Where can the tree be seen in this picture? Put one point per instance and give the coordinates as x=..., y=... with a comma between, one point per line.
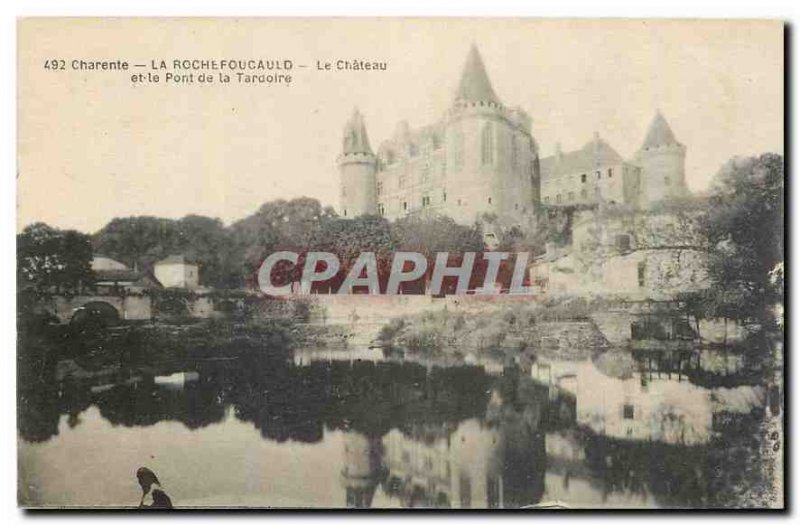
x=142, y=241
x=49, y=259
x=744, y=226
x=277, y=225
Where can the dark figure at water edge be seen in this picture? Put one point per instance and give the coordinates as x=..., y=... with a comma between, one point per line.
x=153, y=496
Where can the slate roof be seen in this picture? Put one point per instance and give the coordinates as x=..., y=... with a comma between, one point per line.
x=175, y=259
x=595, y=153
x=475, y=85
x=355, y=138
x=659, y=133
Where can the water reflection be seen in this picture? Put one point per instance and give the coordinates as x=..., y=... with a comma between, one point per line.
x=615, y=429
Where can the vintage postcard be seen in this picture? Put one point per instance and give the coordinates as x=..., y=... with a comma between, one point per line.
x=485, y=263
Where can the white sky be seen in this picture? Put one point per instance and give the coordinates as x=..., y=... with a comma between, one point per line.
x=92, y=146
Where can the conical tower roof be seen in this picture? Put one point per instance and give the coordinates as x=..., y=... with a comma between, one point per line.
x=355, y=135
x=659, y=133
x=475, y=85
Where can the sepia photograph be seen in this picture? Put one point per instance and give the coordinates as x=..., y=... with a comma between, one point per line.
x=400, y=263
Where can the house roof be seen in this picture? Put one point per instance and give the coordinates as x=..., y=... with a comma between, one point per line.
x=176, y=259
x=117, y=275
x=475, y=85
x=594, y=153
x=659, y=133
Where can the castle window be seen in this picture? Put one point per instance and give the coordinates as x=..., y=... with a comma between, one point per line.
x=583, y=178
x=547, y=200
x=640, y=270
x=558, y=198
x=405, y=205
x=610, y=172
x=459, y=202
x=490, y=200
x=623, y=242
x=465, y=491
x=401, y=181
x=598, y=174
x=514, y=155
x=426, y=200
x=666, y=181
x=380, y=209
x=487, y=148
x=458, y=149
x=425, y=173
x=584, y=194
x=345, y=212
x=627, y=411
x=444, y=196
x=380, y=188
x=516, y=205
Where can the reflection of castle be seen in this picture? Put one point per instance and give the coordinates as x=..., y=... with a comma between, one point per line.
x=439, y=467
x=618, y=400
x=468, y=465
x=362, y=468
x=455, y=469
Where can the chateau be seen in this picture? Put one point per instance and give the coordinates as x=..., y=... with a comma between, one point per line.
x=480, y=160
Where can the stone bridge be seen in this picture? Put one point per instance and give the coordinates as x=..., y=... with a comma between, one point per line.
x=127, y=307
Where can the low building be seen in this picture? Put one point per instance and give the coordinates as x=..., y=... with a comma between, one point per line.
x=176, y=271
x=112, y=275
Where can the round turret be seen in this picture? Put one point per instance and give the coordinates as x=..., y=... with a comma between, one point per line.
x=357, y=167
x=663, y=162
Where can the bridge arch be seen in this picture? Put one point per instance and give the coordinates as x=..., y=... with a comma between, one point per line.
x=96, y=311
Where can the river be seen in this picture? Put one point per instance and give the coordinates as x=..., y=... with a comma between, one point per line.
x=334, y=429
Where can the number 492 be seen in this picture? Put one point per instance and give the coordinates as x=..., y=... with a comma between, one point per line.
x=55, y=64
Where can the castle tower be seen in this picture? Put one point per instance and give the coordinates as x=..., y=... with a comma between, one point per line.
x=357, y=166
x=361, y=471
x=663, y=162
x=490, y=152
